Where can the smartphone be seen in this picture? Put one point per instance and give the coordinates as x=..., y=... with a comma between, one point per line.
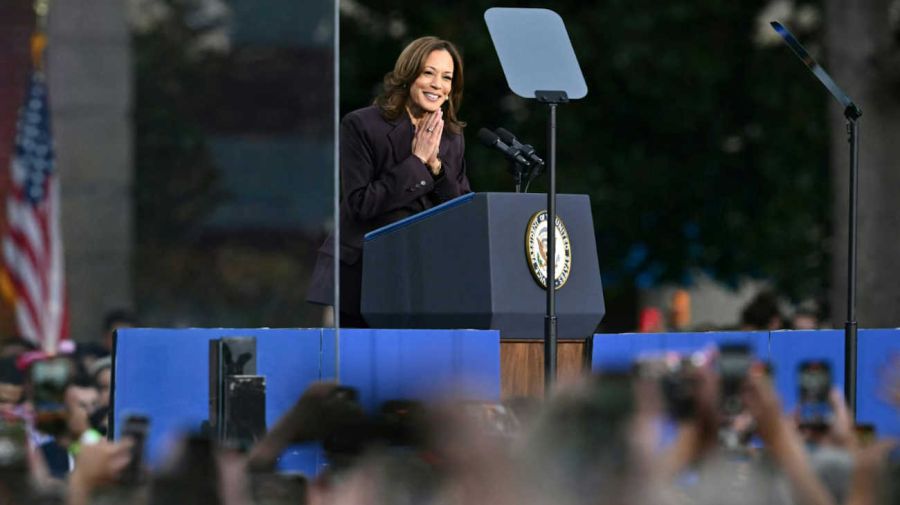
x=814, y=383
x=733, y=363
x=49, y=378
x=135, y=427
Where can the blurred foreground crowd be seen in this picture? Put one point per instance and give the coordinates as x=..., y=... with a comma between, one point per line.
x=704, y=428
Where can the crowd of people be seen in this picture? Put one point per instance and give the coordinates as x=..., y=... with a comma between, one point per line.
x=693, y=430
x=56, y=403
x=764, y=312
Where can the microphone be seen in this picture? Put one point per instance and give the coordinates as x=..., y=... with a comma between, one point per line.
x=526, y=150
x=491, y=139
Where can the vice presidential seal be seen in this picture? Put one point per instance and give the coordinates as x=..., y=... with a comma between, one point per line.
x=536, y=250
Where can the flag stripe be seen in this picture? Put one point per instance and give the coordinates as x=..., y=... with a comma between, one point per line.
x=23, y=271
x=56, y=296
x=23, y=279
x=23, y=222
x=26, y=323
x=22, y=251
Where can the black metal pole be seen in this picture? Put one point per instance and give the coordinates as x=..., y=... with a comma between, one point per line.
x=850, y=327
x=852, y=113
x=550, y=318
x=518, y=174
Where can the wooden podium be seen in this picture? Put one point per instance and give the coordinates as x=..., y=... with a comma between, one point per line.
x=522, y=365
x=463, y=264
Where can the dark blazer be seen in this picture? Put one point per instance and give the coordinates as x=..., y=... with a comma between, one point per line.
x=381, y=182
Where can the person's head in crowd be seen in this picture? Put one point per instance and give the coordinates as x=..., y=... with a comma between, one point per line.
x=61, y=412
x=580, y=448
x=387, y=478
x=762, y=313
x=13, y=347
x=114, y=320
x=12, y=381
x=86, y=354
x=806, y=317
x=80, y=398
x=101, y=373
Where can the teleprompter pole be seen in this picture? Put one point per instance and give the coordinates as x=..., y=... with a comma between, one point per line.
x=550, y=319
x=552, y=99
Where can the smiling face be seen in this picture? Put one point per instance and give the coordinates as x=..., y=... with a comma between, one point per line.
x=432, y=88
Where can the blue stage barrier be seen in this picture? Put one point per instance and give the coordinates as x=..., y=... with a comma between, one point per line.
x=878, y=360
x=416, y=364
x=164, y=373
x=878, y=351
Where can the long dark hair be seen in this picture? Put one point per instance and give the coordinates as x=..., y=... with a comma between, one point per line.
x=392, y=100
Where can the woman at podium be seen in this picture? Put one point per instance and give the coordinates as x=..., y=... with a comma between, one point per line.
x=399, y=156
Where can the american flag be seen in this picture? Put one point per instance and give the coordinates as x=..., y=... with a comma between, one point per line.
x=32, y=246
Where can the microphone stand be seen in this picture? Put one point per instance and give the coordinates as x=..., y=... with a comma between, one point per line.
x=518, y=172
x=552, y=99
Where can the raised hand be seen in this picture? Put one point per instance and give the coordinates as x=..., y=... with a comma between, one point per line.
x=427, y=140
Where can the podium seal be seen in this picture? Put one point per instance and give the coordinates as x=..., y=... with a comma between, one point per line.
x=536, y=250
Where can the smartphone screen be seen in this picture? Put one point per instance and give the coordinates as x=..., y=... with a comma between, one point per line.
x=49, y=378
x=814, y=383
x=733, y=364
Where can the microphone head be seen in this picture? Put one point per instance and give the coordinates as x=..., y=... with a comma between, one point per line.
x=487, y=137
x=506, y=135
